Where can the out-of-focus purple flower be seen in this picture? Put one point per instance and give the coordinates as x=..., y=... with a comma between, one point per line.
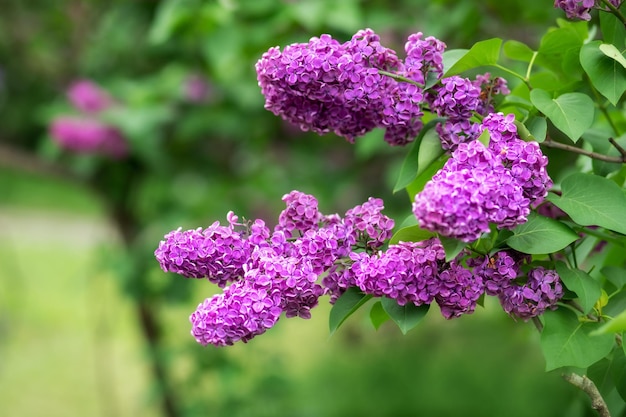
x=542, y=290
x=244, y=310
x=459, y=290
x=217, y=253
x=325, y=86
x=89, y=136
x=196, y=89
x=406, y=272
x=88, y=97
x=471, y=190
x=368, y=224
x=579, y=9
x=301, y=213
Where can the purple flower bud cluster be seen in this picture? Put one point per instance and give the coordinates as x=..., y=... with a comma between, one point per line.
x=480, y=185
x=266, y=273
x=580, y=9
x=87, y=133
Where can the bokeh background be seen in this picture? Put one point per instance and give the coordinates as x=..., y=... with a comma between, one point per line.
x=89, y=324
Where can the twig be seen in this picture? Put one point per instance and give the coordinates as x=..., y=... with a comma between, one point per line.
x=589, y=388
x=619, y=148
x=594, y=155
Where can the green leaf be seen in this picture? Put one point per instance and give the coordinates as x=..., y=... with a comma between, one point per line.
x=612, y=52
x=484, y=138
x=481, y=54
x=378, y=315
x=587, y=289
x=414, y=158
x=426, y=175
x=452, y=247
x=557, y=44
x=606, y=73
x=540, y=235
x=591, y=200
x=348, y=303
x=538, y=128
x=619, y=372
x=615, y=275
x=566, y=341
x=410, y=234
x=407, y=316
x=616, y=325
x=518, y=51
x=571, y=113
x=613, y=30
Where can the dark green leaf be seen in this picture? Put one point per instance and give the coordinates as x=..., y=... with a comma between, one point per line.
x=566, y=341
x=410, y=234
x=591, y=200
x=606, y=73
x=452, y=247
x=613, y=30
x=541, y=235
x=426, y=175
x=407, y=316
x=348, y=303
x=378, y=315
x=619, y=372
x=482, y=54
x=587, y=289
x=413, y=161
x=571, y=113
x=615, y=275
x=538, y=127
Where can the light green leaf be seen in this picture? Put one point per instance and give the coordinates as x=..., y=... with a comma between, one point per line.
x=407, y=316
x=566, y=341
x=410, y=234
x=541, y=235
x=571, y=113
x=518, y=51
x=452, y=247
x=591, y=200
x=378, y=315
x=538, y=128
x=616, y=325
x=345, y=306
x=612, y=52
x=587, y=289
x=482, y=54
x=606, y=74
x=615, y=275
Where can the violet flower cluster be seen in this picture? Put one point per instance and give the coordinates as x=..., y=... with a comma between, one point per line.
x=580, y=9
x=264, y=272
x=482, y=185
x=86, y=133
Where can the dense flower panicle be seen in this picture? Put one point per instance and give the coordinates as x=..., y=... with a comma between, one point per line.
x=459, y=290
x=337, y=280
x=455, y=131
x=88, y=97
x=457, y=98
x=497, y=271
x=325, y=86
x=406, y=272
x=424, y=58
x=367, y=222
x=471, y=190
x=244, y=310
x=402, y=113
x=217, y=253
x=301, y=213
x=542, y=290
x=88, y=136
x=488, y=89
x=579, y=9
x=324, y=246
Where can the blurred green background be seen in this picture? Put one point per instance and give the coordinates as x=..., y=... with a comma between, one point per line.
x=89, y=324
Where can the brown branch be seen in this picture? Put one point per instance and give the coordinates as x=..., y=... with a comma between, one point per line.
x=594, y=155
x=619, y=148
x=589, y=388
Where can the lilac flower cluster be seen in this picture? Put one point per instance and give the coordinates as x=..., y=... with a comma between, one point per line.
x=480, y=185
x=265, y=273
x=521, y=296
x=580, y=9
x=87, y=133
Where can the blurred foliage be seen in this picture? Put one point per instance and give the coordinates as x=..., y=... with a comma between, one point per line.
x=193, y=160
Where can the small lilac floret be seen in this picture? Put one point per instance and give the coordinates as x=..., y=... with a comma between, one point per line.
x=459, y=290
x=88, y=97
x=542, y=290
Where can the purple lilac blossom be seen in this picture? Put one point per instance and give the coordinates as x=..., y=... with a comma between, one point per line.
x=217, y=253
x=88, y=136
x=424, y=58
x=196, y=89
x=88, y=97
x=338, y=279
x=402, y=113
x=497, y=271
x=406, y=272
x=579, y=9
x=325, y=86
x=488, y=89
x=471, y=190
x=456, y=98
x=542, y=290
x=301, y=213
x=324, y=246
x=368, y=224
x=244, y=310
x=455, y=131
x=459, y=290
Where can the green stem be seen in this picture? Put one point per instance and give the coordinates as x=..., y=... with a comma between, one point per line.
x=530, y=66
x=513, y=73
x=400, y=78
x=602, y=107
x=549, y=143
x=615, y=11
x=598, y=234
